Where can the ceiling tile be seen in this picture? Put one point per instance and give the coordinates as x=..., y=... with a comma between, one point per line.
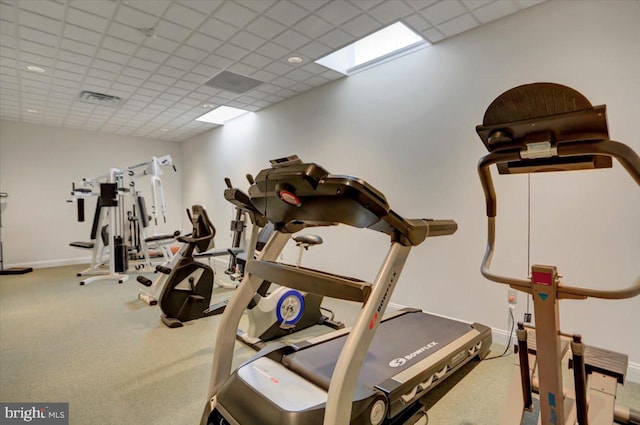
x=143, y=64
x=217, y=29
x=361, y=25
x=338, y=12
x=433, y=35
x=422, y=4
x=153, y=7
x=235, y=14
x=458, y=25
x=231, y=52
x=86, y=20
x=137, y=73
x=184, y=16
x=265, y=27
x=286, y=13
x=118, y=45
x=208, y=71
x=443, y=11
x=523, y=4
x=367, y=4
x=315, y=50
x=135, y=18
x=242, y=69
x=388, y=12
x=299, y=75
x=107, y=66
x=256, y=60
x=172, y=31
x=180, y=63
x=495, y=10
x=170, y=71
x=217, y=61
x=311, y=5
x=46, y=8
x=38, y=36
x=312, y=26
x=151, y=55
x=74, y=58
x=39, y=22
x=126, y=33
x=337, y=38
x=203, y=42
x=161, y=43
x=272, y=50
x=474, y=4
x=416, y=22
x=35, y=48
x=111, y=56
x=81, y=34
x=191, y=53
x=205, y=7
x=247, y=40
x=291, y=39
x=77, y=47
x=263, y=75
x=278, y=68
x=100, y=8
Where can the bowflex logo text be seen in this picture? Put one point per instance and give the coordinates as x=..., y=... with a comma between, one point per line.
x=400, y=361
x=39, y=413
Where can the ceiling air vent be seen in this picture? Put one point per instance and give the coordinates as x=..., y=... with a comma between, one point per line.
x=99, y=98
x=233, y=82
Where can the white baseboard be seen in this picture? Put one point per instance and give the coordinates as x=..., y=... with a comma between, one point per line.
x=52, y=263
x=633, y=372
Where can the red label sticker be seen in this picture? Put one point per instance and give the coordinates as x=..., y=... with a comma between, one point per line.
x=540, y=278
x=372, y=323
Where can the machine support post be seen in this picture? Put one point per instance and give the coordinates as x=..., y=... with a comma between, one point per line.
x=544, y=280
x=356, y=347
x=580, y=379
x=525, y=374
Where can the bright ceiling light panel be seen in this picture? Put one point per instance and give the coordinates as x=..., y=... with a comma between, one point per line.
x=389, y=42
x=221, y=115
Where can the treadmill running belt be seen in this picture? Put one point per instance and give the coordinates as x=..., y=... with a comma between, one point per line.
x=398, y=344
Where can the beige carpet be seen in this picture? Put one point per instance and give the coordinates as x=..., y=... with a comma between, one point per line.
x=108, y=355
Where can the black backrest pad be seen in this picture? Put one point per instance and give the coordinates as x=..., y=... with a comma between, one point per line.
x=202, y=228
x=321, y=199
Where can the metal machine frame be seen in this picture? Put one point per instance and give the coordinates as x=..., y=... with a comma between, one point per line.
x=550, y=127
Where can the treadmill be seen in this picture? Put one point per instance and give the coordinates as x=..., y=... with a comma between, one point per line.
x=374, y=373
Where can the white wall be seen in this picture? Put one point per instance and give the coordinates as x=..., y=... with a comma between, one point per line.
x=38, y=164
x=407, y=127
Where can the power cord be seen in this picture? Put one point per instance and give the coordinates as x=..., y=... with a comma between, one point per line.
x=506, y=350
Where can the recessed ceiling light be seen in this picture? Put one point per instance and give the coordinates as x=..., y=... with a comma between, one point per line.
x=295, y=60
x=164, y=129
x=221, y=115
x=388, y=43
x=33, y=111
x=34, y=68
x=208, y=105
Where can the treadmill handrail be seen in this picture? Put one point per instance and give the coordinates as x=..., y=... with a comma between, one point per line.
x=626, y=156
x=313, y=197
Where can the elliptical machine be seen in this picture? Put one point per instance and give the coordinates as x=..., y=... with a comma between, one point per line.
x=187, y=292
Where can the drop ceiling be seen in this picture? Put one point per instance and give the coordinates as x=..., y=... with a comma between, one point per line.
x=158, y=55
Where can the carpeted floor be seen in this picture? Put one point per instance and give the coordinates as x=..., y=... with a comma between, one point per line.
x=108, y=355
